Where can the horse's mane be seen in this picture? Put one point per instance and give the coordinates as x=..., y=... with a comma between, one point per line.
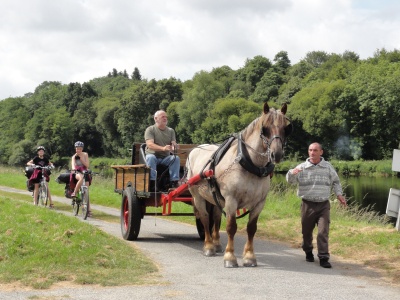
x=273, y=117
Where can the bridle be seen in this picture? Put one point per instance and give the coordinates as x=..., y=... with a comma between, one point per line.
x=268, y=142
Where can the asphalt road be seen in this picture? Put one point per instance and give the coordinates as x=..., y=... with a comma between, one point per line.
x=282, y=272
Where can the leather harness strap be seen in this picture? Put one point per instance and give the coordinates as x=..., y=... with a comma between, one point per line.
x=244, y=161
x=248, y=165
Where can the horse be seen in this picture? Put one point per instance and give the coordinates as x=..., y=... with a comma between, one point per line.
x=243, y=167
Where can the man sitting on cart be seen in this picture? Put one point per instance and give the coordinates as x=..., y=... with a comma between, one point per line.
x=160, y=145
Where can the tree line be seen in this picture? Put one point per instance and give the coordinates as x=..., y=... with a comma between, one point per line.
x=349, y=105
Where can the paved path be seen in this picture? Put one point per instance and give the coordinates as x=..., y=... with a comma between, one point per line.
x=282, y=272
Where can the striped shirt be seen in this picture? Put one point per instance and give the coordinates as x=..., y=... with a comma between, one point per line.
x=315, y=181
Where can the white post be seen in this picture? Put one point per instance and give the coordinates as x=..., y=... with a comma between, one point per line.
x=393, y=204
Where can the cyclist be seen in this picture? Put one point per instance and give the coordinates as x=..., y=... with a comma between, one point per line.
x=79, y=162
x=40, y=160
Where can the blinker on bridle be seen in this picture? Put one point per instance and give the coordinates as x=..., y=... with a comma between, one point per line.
x=283, y=141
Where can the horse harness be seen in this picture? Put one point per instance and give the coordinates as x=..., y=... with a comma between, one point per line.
x=244, y=160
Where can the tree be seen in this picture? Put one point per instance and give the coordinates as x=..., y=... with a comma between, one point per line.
x=57, y=132
x=268, y=87
x=316, y=58
x=376, y=89
x=225, y=75
x=282, y=62
x=73, y=97
x=315, y=108
x=227, y=116
x=197, y=102
x=350, y=55
x=254, y=70
x=84, y=127
x=106, y=123
x=14, y=115
x=136, y=74
x=22, y=153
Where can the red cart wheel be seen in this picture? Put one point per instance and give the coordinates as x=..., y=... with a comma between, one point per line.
x=131, y=215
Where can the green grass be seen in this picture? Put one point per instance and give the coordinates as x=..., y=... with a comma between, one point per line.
x=359, y=235
x=41, y=247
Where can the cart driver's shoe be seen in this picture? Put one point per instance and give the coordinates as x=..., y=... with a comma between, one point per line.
x=174, y=184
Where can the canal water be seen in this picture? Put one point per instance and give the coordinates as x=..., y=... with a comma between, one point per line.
x=364, y=190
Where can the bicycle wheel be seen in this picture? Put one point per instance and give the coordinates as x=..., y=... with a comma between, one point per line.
x=85, y=202
x=43, y=195
x=75, y=205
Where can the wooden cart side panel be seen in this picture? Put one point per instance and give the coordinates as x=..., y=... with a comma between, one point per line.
x=138, y=175
x=183, y=152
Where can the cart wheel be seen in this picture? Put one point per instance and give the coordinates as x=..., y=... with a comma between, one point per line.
x=131, y=215
x=200, y=227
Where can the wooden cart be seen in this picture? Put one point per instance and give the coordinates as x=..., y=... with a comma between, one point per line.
x=132, y=182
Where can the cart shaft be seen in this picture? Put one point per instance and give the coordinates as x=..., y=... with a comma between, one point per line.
x=167, y=199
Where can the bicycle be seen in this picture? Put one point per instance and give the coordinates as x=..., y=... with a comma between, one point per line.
x=43, y=192
x=81, y=200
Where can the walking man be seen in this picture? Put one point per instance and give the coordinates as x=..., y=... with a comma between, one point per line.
x=316, y=178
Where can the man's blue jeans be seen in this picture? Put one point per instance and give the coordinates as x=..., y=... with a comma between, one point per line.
x=172, y=161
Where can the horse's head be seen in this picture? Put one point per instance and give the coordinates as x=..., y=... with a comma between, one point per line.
x=275, y=128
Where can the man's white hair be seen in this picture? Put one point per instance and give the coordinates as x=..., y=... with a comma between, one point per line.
x=158, y=112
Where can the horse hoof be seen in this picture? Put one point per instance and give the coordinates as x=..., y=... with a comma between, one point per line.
x=209, y=252
x=250, y=263
x=218, y=249
x=231, y=264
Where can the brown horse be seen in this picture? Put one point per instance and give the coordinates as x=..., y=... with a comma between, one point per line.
x=242, y=171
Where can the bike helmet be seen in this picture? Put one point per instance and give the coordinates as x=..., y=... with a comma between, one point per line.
x=79, y=144
x=40, y=148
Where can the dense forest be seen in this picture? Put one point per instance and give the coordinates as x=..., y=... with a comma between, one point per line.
x=351, y=106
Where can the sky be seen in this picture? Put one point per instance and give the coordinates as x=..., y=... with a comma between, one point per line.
x=79, y=40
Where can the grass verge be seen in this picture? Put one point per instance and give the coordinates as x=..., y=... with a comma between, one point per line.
x=41, y=247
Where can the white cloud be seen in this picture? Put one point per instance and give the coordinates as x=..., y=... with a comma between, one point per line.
x=78, y=40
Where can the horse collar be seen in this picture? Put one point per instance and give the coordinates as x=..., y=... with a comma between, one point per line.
x=247, y=164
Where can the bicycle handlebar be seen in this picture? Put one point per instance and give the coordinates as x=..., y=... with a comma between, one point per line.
x=40, y=167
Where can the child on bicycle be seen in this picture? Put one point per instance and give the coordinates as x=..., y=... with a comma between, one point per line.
x=79, y=162
x=40, y=160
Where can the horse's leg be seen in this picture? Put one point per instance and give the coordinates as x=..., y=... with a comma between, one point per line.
x=208, y=248
x=230, y=260
x=249, y=258
x=216, y=213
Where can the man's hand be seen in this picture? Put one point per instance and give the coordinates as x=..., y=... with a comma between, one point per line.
x=296, y=171
x=167, y=148
x=342, y=200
